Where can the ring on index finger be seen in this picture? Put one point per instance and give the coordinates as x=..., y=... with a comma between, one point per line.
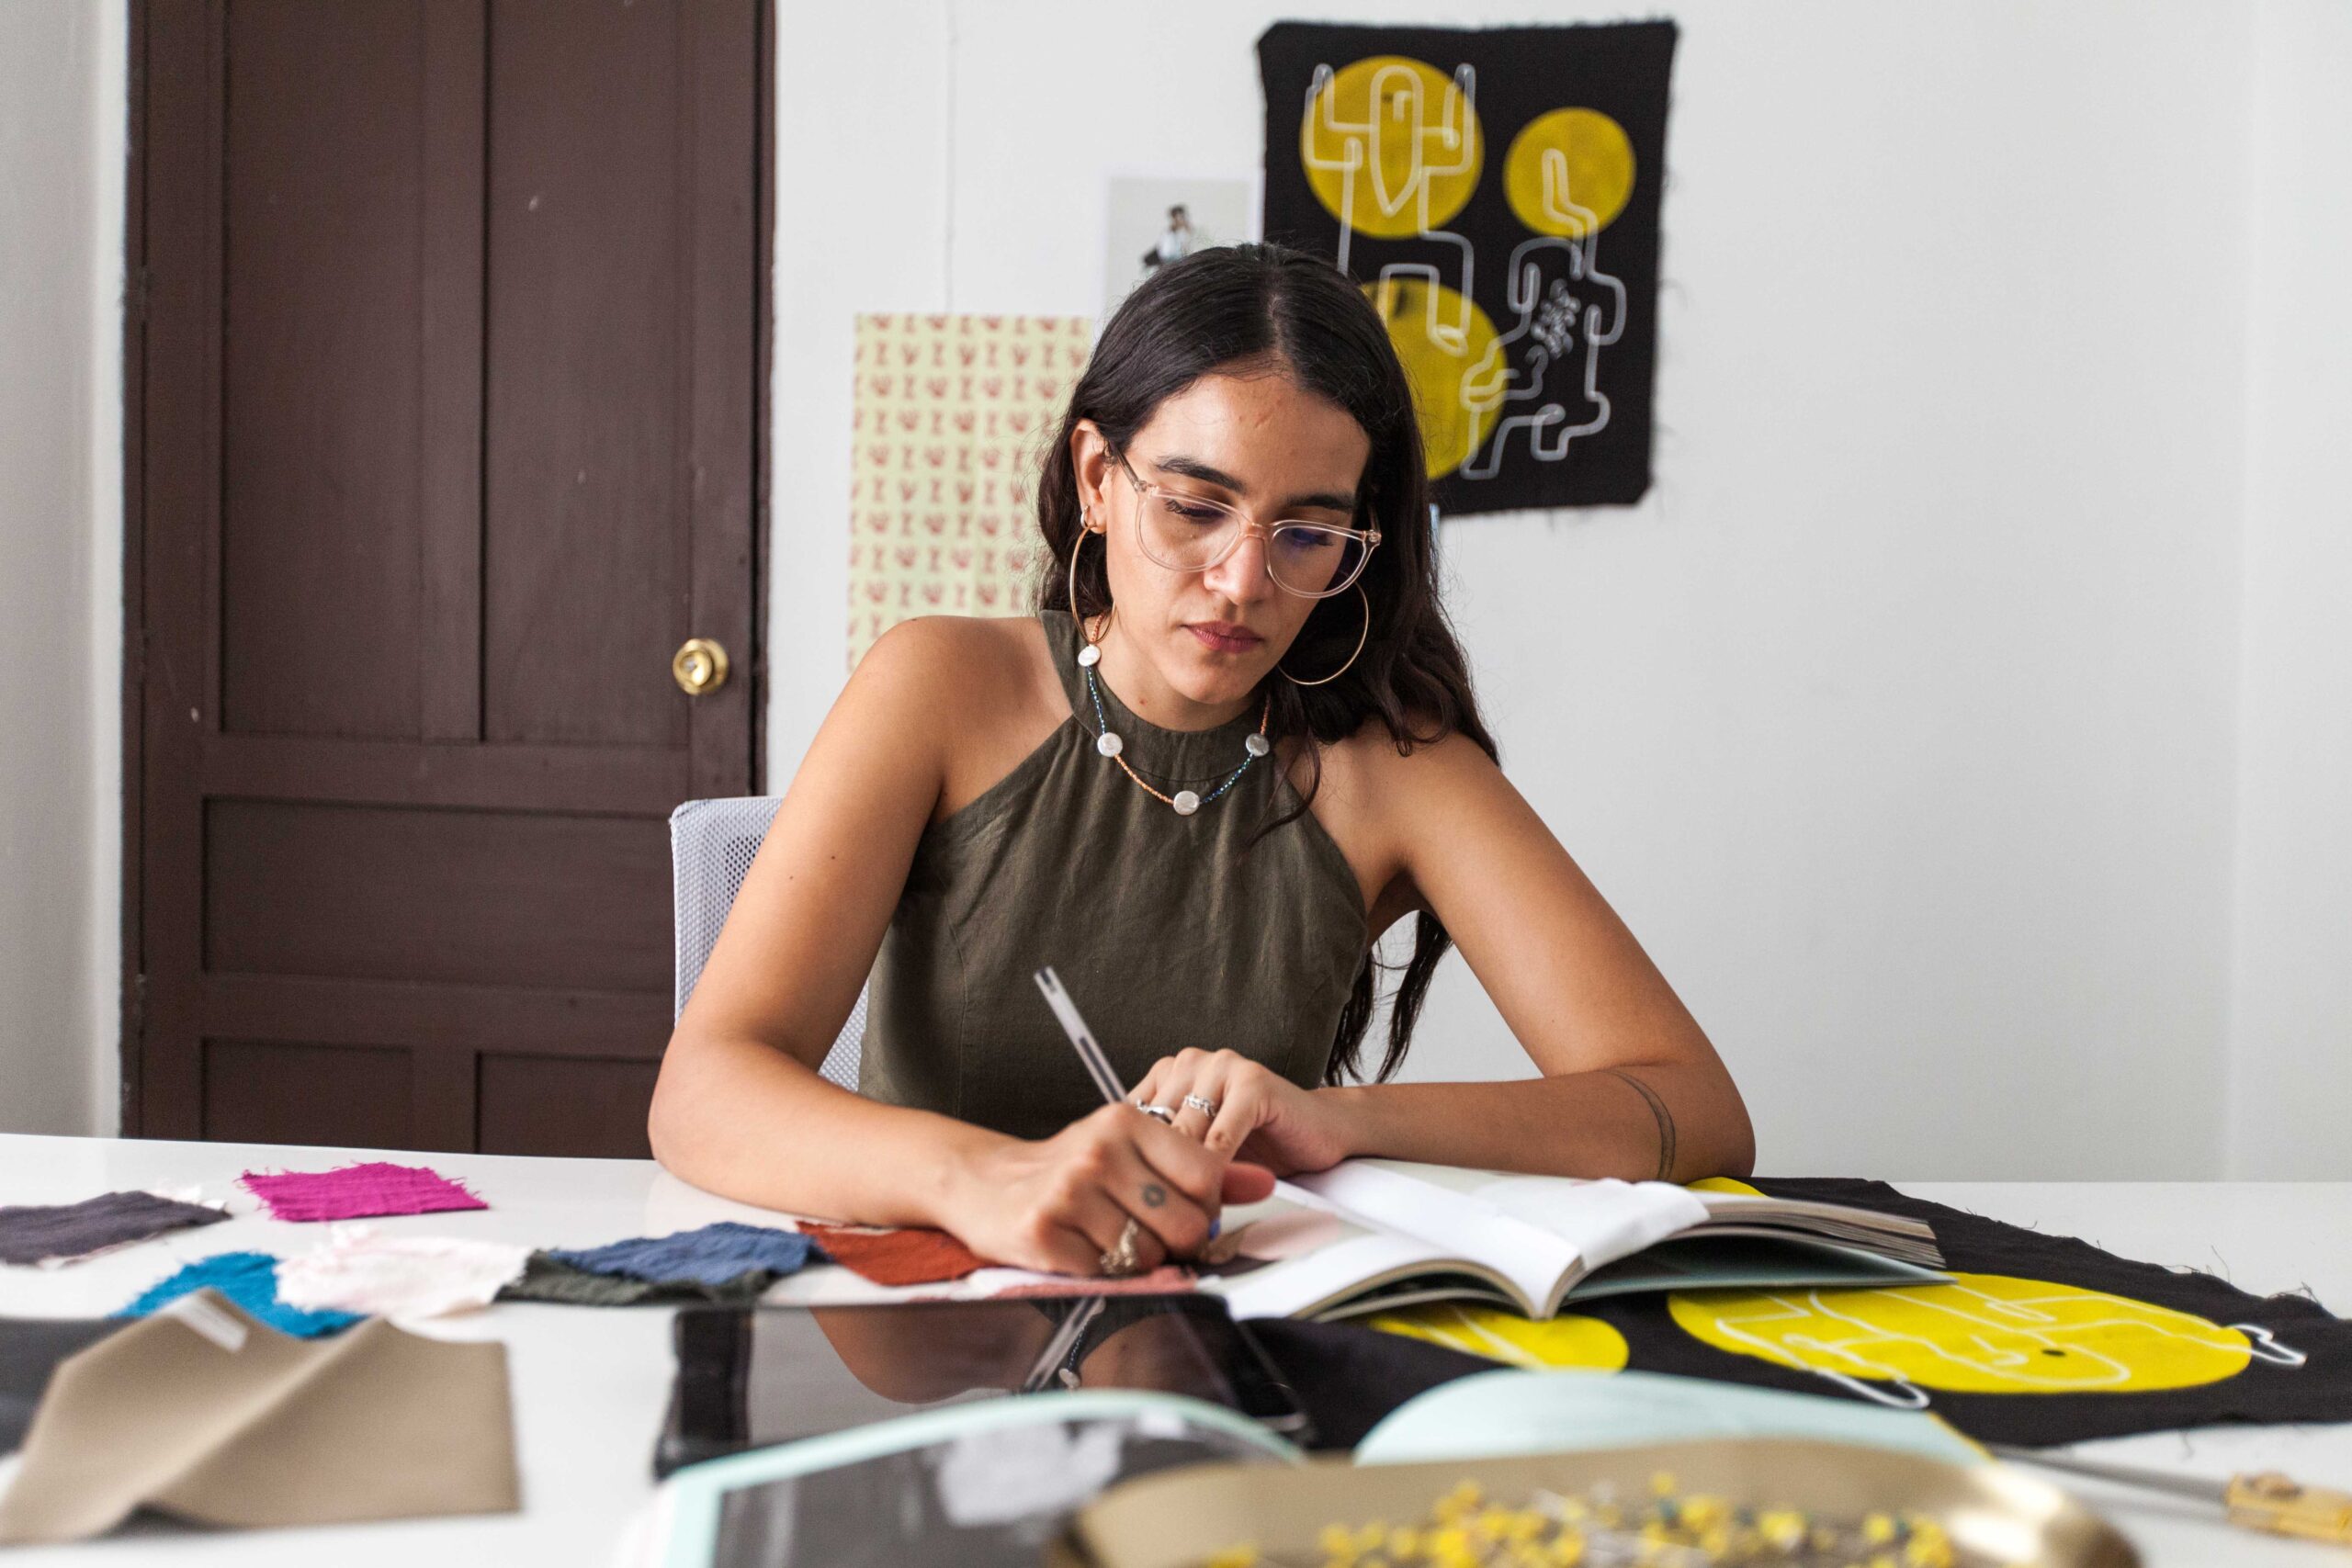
x=1159, y=1113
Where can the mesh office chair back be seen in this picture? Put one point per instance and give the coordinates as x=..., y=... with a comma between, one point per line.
x=711, y=846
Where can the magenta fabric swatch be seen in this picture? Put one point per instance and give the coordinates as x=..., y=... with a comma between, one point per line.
x=358, y=1192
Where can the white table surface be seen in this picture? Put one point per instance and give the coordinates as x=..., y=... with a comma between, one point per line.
x=590, y=1383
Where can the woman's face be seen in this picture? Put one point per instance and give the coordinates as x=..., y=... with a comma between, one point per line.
x=1194, y=645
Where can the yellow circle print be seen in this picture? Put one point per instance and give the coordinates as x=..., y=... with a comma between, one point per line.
x=1391, y=146
x=1980, y=1334
x=1723, y=1184
x=1499, y=1336
x=1441, y=338
x=1569, y=173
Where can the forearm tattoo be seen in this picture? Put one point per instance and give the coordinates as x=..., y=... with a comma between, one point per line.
x=1664, y=1121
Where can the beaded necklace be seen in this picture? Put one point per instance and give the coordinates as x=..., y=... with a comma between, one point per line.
x=1185, y=801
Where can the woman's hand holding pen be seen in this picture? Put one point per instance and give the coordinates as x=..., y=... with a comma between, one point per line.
x=1061, y=1203
x=1260, y=1116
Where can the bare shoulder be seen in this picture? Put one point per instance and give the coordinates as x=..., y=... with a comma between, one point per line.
x=948, y=666
x=982, y=690
x=1376, y=799
x=1371, y=768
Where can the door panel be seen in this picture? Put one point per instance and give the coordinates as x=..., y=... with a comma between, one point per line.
x=384, y=892
x=319, y=464
x=584, y=586
x=448, y=438
x=549, y=1105
x=255, y=1091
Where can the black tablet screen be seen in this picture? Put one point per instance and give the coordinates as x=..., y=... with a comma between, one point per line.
x=751, y=1378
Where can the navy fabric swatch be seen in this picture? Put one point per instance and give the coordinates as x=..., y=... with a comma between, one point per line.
x=712, y=1256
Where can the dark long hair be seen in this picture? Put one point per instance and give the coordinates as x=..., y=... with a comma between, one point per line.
x=1268, y=307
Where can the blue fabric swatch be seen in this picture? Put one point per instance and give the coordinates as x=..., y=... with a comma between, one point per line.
x=248, y=1278
x=711, y=1255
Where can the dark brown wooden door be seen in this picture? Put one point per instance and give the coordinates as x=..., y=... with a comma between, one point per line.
x=447, y=439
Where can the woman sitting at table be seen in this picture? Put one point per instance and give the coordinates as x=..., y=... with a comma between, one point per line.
x=1237, y=743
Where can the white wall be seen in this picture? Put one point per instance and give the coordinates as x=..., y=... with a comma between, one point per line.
x=1900, y=719
x=1959, y=720
x=2291, y=1022
x=62, y=140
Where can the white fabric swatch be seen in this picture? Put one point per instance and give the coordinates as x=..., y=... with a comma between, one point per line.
x=397, y=1276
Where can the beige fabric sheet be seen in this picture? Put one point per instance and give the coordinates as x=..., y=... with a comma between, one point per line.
x=203, y=1413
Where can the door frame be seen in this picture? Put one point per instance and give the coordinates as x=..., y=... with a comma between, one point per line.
x=752, y=666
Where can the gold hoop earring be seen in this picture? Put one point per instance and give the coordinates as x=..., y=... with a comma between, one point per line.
x=1360, y=639
x=1091, y=653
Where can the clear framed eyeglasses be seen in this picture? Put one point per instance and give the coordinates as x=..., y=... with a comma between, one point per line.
x=1184, y=531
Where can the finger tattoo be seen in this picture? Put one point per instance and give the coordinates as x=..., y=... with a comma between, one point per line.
x=1665, y=1120
x=1154, y=1194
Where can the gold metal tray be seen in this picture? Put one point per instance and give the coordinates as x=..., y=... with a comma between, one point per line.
x=1993, y=1513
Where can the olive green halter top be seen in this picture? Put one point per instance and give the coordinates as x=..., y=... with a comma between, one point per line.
x=1165, y=933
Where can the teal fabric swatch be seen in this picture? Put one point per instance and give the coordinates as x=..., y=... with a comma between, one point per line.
x=248, y=1278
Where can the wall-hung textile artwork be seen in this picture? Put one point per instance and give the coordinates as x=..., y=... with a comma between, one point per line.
x=1496, y=192
x=951, y=416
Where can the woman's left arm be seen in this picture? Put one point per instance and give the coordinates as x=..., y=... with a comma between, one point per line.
x=1631, y=1087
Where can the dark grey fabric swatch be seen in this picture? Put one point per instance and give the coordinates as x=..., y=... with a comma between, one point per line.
x=35, y=1235
x=30, y=1349
x=547, y=1280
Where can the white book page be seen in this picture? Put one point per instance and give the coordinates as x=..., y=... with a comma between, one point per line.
x=1536, y=1261
x=1297, y=1286
x=1604, y=1221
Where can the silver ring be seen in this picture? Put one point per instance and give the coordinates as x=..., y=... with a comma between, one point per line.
x=1158, y=1113
x=1204, y=1106
x=1122, y=1260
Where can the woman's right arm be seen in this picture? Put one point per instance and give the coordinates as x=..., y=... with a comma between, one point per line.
x=740, y=1109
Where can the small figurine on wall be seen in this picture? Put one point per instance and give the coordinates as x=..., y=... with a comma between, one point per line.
x=1174, y=245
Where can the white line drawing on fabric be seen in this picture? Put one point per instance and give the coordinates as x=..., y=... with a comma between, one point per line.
x=1545, y=317
x=2266, y=1347
x=1397, y=90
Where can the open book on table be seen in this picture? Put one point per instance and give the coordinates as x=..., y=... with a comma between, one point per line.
x=1367, y=1235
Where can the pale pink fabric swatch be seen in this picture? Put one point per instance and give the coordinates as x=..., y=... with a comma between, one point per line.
x=358, y=1192
x=398, y=1276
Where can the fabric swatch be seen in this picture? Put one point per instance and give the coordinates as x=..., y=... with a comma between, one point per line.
x=248, y=1278
x=30, y=1349
x=358, y=1192
x=385, y=1276
x=545, y=1279
x=2037, y=1340
x=910, y=1257
x=711, y=1255
x=207, y=1414
x=68, y=1232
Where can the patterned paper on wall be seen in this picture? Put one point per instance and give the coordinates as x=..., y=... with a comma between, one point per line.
x=952, y=417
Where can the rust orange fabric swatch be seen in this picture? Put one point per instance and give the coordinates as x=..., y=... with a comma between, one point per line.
x=910, y=1257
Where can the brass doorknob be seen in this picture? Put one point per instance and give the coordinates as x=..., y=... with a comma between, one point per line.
x=699, y=666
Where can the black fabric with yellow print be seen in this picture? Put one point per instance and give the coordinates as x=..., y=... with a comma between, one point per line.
x=1497, y=193
x=2039, y=1340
